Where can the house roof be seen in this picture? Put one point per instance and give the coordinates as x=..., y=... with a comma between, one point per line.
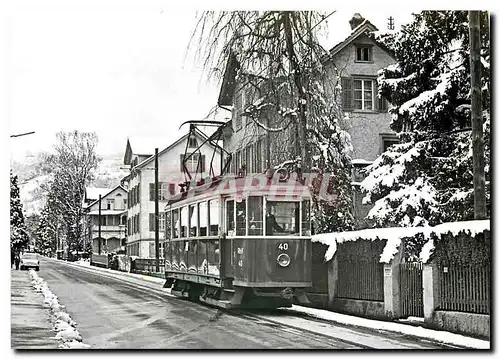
x=104, y=196
x=363, y=28
x=92, y=193
x=151, y=158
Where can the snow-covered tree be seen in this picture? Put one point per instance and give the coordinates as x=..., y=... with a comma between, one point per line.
x=46, y=230
x=289, y=94
x=18, y=234
x=71, y=165
x=427, y=178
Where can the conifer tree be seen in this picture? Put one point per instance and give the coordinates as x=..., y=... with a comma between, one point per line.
x=427, y=178
x=18, y=234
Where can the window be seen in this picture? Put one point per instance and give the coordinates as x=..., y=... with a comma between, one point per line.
x=111, y=204
x=175, y=223
x=387, y=140
x=194, y=164
x=161, y=221
x=363, y=53
x=213, y=217
x=255, y=210
x=230, y=218
x=193, y=143
x=103, y=220
x=241, y=218
x=203, y=219
x=184, y=222
x=163, y=191
x=282, y=218
x=168, y=225
x=363, y=94
x=171, y=189
x=193, y=220
x=306, y=218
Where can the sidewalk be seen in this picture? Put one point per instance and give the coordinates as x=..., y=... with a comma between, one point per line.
x=30, y=324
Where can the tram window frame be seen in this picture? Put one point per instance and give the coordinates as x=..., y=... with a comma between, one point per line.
x=213, y=232
x=241, y=205
x=181, y=224
x=251, y=209
x=201, y=233
x=168, y=225
x=305, y=209
x=230, y=217
x=175, y=218
x=193, y=210
x=286, y=232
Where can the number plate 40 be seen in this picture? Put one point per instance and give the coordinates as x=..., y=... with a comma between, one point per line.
x=283, y=246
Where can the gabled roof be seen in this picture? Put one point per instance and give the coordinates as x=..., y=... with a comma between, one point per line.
x=103, y=196
x=92, y=193
x=151, y=158
x=366, y=27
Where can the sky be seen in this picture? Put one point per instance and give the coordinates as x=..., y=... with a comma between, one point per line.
x=119, y=69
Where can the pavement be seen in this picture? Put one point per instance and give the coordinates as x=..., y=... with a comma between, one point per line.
x=30, y=320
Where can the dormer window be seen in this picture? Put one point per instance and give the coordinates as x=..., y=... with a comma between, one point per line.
x=363, y=53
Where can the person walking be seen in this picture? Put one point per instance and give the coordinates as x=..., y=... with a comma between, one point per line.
x=17, y=260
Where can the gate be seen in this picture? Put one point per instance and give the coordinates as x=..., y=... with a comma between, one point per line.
x=410, y=284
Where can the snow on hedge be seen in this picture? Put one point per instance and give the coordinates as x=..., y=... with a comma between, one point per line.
x=63, y=324
x=393, y=235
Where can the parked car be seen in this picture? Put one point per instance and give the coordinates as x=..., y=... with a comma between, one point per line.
x=30, y=260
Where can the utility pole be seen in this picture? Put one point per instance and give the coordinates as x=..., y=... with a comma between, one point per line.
x=157, y=230
x=476, y=115
x=99, y=223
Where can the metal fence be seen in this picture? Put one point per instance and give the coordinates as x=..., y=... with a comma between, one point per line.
x=148, y=265
x=360, y=279
x=465, y=288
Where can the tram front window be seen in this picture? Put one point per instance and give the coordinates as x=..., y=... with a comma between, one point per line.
x=282, y=218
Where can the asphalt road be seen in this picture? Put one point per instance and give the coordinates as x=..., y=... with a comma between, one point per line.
x=113, y=314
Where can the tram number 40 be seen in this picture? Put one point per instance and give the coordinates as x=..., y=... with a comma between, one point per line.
x=283, y=246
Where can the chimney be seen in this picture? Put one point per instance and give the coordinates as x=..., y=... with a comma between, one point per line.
x=356, y=20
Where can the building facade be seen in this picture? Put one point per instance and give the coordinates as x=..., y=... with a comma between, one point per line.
x=141, y=182
x=113, y=219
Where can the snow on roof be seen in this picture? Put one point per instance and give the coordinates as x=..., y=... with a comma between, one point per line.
x=395, y=234
x=94, y=192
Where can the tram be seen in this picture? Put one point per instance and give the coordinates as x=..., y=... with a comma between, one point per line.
x=240, y=241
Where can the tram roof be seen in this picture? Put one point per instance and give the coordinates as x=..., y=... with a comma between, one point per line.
x=257, y=184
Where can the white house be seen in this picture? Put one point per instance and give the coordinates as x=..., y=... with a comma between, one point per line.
x=113, y=218
x=141, y=205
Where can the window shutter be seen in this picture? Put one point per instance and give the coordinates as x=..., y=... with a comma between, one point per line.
x=151, y=222
x=151, y=191
x=171, y=188
x=347, y=93
x=182, y=163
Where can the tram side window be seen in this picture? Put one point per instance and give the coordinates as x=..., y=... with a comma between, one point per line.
x=168, y=225
x=306, y=218
x=193, y=220
x=184, y=222
x=203, y=211
x=213, y=206
x=255, y=222
x=175, y=223
x=241, y=218
x=230, y=218
x=282, y=218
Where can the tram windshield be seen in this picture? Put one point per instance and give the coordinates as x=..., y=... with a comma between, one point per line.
x=282, y=218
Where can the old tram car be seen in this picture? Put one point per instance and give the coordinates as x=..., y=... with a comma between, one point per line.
x=240, y=242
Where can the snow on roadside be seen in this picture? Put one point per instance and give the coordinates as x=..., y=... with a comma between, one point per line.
x=63, y=324
x=442, y=336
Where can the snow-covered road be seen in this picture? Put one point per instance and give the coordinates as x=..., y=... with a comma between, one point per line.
x=133, y=313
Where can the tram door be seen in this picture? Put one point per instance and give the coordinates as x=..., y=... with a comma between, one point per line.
x=227, y=243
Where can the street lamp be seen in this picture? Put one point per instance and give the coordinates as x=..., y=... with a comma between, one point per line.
x=23, y=134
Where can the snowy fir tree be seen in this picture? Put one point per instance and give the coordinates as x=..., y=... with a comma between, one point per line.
x=427, y=179
x=18, y=234
x=46, y=231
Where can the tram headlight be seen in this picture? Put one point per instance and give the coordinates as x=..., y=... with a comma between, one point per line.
x=283, y=260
